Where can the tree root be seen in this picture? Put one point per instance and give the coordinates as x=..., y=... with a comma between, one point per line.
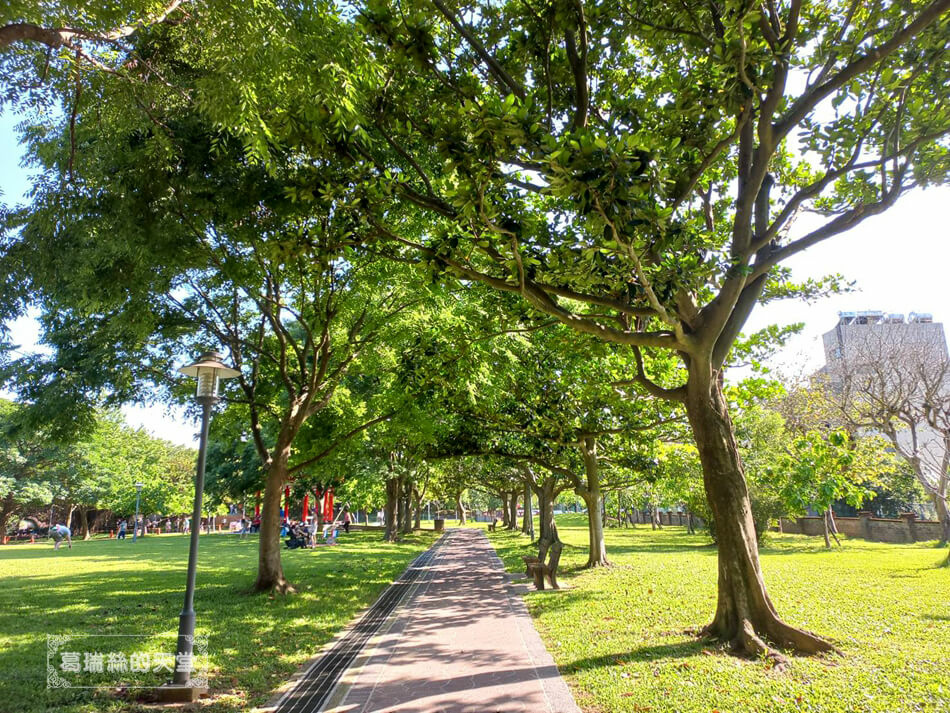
x=749, y=643
x=799, y=640
x=592, y=564
x=746, y=641
x=280, y=586
x=284, y=587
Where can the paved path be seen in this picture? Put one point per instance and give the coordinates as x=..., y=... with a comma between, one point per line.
x=462, y=642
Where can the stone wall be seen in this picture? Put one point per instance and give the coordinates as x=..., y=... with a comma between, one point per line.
x=905, y=529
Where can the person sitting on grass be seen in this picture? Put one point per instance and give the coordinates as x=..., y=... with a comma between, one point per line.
x=298, y=536
x=60, y=533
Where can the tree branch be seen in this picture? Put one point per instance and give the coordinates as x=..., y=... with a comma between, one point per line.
x=813, y=96
x=493, y=65
x=64, y=36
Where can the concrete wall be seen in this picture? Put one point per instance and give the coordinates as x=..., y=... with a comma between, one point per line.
x=905, y=529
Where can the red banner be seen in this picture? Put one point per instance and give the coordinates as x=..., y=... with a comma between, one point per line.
x=328, y=505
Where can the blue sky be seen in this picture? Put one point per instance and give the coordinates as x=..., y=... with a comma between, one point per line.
x=900, y=262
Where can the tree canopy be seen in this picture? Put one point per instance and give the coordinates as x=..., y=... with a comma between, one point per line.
x=630, y=171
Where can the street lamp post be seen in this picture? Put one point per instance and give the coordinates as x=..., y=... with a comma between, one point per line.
x=138, y=500
x=208, y=370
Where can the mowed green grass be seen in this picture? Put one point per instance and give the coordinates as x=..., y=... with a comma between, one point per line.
x=619, y=635
x=112, y=587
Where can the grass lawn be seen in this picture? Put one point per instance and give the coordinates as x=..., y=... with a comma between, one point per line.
x=112, y=587
x=619, y=634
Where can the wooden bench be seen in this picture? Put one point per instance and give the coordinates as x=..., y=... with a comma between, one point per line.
x=492, y=525
x=529, y=562
x=541, y=571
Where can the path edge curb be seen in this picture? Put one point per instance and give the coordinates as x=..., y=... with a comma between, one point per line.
x=288, y=686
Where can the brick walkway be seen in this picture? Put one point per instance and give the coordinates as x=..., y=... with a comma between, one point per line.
x=462, y=642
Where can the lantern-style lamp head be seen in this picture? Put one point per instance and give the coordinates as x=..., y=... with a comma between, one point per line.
x=139, y=486
x=208, y=370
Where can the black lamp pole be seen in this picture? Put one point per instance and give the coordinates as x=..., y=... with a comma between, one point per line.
x=186, y=620
x=208, y=370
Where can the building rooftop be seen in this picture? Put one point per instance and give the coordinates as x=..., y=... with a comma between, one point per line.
x=880, y=317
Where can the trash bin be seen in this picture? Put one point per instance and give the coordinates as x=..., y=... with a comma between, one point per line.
x=439, y=524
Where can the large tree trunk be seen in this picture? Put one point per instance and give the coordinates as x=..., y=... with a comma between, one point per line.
x=744, y=615
x=6, y=510
x=406, y=507
x=84, y=523
x=512, y=516
x=392, y=498
x=528, y=518
x=505, y=510
x=597, y=548
x=460, y=507
x=398, y=505
x=943, y=517
x=416, y=509
x=270, y=573
x=547, y=529
x=831, y=528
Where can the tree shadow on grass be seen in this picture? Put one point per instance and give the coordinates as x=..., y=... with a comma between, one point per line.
x=144, y=594
x=685, y=548
x=682, y=650
x=110, y=549
x=555, y=600
x=936, y=617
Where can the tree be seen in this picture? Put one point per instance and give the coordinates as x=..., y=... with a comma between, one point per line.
x=25, y=464
x=632, y=172
x=45, y=47
x=680, y=473
x=128, y=455
x=899, y=386
x=821, y=468
x=762, y=438
x=554, y=404
x=98, y=471
x=281, y=291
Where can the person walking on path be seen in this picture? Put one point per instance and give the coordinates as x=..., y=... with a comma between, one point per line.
x=123, y=527
x=60, y=533
x=347, y=519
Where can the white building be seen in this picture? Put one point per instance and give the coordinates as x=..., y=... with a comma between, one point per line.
x=882, y=362
x=862, y=335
